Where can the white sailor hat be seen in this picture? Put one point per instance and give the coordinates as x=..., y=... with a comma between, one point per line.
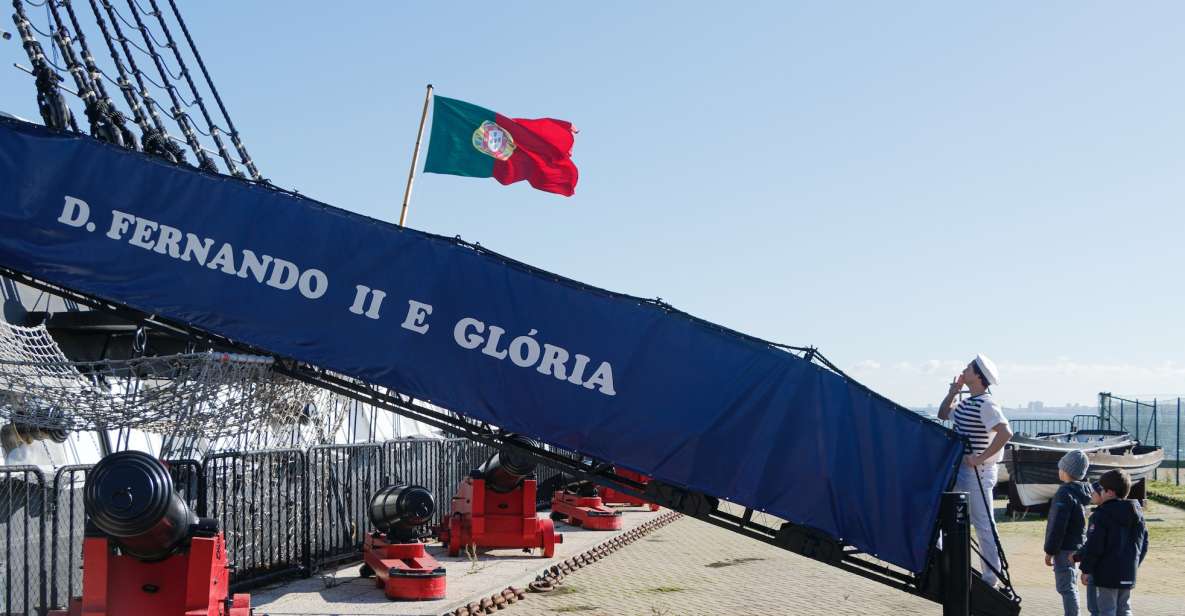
x=988, y=368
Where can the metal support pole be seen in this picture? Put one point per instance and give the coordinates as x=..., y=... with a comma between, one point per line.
x=956, y=554
x=1138, y=421
x=1155, y=421
x=1178, y=469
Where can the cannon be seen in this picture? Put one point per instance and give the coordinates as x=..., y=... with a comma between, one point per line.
x=145, y=551
x=614, y=497
x=494, y=506
x=393, y=552
x=580, y=504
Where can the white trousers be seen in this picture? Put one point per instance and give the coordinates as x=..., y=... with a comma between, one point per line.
x=982, y=517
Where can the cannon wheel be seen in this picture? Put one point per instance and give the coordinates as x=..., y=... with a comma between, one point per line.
x=365, y=571
x=547, y=529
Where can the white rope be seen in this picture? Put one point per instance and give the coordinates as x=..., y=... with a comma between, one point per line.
x=196, y=400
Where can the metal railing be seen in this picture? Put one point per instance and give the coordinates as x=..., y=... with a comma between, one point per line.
x=23, y=556
x=260, y=501
x=1035, y=427
x=342, y=478
x=1153, y=422
x=283, y=512
x=67, y=523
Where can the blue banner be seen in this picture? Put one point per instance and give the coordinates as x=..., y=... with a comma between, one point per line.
x=608, y=375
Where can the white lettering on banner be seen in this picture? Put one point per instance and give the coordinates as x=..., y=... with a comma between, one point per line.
x=361, y=295
x=75, y=213
x=524, y=350
x=417, y=312
x=165, y=240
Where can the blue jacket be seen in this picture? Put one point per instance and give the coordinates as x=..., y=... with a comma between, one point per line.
x=1116, y=543
x=1066, y=527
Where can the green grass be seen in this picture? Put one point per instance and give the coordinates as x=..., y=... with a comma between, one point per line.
x=1167, y=488
x=575, y=608
x=665, y=589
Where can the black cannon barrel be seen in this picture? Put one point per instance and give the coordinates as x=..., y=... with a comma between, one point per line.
x=505, y=470
x=129, y=497
x=398, y=509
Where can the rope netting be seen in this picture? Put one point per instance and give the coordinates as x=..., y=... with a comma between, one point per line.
x=198, y=402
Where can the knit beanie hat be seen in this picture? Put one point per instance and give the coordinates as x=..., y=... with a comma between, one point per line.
x=1075, y=464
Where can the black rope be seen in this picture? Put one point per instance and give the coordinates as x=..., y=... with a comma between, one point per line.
x=155, y=138
x=50, y=102
x=104, y=106
x=138, y=114
x=222, y=151
x=182, y=118
x=103, y=117
x=234, y=133
x=995, y=534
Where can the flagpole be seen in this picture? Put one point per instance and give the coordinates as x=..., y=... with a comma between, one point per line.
x=415, y=157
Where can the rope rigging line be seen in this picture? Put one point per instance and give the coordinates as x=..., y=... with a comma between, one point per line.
x=182, y=118
x=50, y=102
x=214, y=134
x=106, y=105
x=1003, y=575
x=234, y=133
x=93, y=81
x=138, y=114
x=107, y=123
x=156, y=141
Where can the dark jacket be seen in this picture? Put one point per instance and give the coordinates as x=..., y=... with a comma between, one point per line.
x=1116, y=543
x=1066, y=527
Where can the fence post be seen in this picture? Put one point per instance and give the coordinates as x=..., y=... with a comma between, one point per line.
x=1155, y=419
x=1178, y=469
x=306, y=506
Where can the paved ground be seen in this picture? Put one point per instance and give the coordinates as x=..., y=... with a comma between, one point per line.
x=690, y=567
x=342, y=593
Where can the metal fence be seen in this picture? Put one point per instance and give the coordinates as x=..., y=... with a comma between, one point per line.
x=438, y=465
x=67, y=523
x=259, y=499
x=23, y=554
x=1155, y=421
x=283, y=512
x=342, y=478
x=1035, y=427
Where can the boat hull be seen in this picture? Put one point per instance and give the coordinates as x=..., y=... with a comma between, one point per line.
x=1034, y=472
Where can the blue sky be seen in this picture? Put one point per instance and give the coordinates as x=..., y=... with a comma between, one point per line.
x=901, y=185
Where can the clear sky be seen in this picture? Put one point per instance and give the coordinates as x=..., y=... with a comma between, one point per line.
x=900, y=184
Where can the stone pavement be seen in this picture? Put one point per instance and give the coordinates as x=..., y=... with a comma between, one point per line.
x=342, y=593
x=691, y=567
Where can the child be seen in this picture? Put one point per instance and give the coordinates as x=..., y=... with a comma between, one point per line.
x=1065, y=531
x=1116, y=544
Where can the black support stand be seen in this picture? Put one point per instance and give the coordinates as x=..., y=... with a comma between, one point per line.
x=956, y=554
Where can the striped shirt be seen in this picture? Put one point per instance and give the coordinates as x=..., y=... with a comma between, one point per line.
x=974, y=418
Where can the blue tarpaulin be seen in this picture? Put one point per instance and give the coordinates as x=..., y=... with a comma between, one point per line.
x=611, y=376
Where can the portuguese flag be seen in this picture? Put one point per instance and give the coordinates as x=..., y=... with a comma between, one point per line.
x=476, y=142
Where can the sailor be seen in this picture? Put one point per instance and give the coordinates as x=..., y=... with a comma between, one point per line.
x=980, y=421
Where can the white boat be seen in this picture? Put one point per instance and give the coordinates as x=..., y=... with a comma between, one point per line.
x=1032, y=462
